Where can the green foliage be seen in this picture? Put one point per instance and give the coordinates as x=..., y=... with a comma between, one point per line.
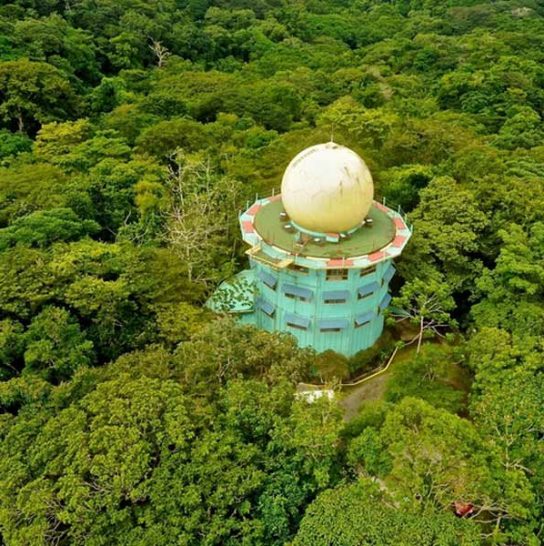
x=513, y=289
x=426, y=302
x=404, y=184
x=331, y=366
x=33, y=93
x=11, y=347
x=503, y=365
x=54, y=40
x=515, y=423
x=131, y=134
x=379, y=352
x=111, y=290
x=30, y=187
x=178, y=322
x=55, y=346
x=437, y=458
x=43, y=228
x=165, y=137
x=522, y=130
x=448, y=226
x=431, y=376
x=361, y=514
x=13, y=144
x=493, y=353
x=131, y=443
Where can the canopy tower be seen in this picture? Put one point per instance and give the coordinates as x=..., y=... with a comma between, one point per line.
x=321, y=254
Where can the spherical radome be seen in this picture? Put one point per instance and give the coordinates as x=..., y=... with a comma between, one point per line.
x=327, y=188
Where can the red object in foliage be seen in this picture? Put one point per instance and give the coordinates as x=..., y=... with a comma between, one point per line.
x=463, y=509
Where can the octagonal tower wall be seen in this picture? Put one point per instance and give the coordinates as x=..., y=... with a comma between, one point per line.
x=326, y=301
x=339, y=309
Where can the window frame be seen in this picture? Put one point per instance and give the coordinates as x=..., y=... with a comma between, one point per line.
x=362, y=325
x=337, y=274
x=297, y=297
x=265, y=277
x=296, y=326
x=289, y=292
x=335, y=301
x=370, y=270
x=299, y=269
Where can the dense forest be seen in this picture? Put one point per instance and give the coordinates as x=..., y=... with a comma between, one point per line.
x=131, y=134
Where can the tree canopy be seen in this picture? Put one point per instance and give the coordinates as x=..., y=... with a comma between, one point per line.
x=132, y=133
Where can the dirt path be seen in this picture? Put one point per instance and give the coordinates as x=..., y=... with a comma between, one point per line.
x=374, y=389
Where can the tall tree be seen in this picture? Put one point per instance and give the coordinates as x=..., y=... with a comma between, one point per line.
x=32, y=93
x=426, y=303
x=448, y=226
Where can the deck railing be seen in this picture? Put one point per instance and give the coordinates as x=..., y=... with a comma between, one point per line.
x=367, y=376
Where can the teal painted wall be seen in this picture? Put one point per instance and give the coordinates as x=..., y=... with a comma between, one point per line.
x=274, y=308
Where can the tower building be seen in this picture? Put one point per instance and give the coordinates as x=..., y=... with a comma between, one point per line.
x=321, y=255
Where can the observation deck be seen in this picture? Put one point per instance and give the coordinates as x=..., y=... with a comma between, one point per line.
x=273, y=243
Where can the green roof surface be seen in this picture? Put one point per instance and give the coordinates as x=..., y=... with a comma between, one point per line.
x=365, y=240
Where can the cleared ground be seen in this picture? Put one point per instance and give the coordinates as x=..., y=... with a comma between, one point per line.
x=375, y=388
x=371, y=390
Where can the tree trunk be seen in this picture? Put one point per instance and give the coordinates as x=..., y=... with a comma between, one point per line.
x=20, y=122
x=420, y=337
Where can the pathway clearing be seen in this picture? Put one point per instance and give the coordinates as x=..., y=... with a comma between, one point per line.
x=374, y=389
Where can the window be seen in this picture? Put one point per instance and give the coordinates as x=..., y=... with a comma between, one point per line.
x=299, y=268
x=295, y=297
x=388, y=275
x=335, y=296
x=265, y=306
x=337, y=274
x=385, y=302
x=368, y=271
x=297, y=292
x=367, y=290
x=332, y=325
x=297, y=326
x=361, y=324
x=267, y=279
x=297, y=321
x=364, y=319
